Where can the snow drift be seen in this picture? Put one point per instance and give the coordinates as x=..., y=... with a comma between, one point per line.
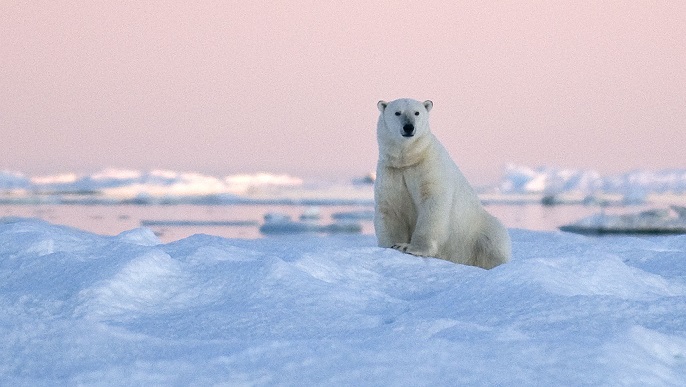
x=80, y=308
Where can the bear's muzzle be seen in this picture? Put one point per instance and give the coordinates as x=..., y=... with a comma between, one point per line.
x=408, y=130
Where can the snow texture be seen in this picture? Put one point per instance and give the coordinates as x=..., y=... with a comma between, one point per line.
x=80, y=308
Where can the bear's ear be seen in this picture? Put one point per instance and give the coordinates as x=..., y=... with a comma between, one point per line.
x=428, y=105
x=382, y=105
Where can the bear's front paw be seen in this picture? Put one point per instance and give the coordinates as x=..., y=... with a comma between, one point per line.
x=401, y=246
x=406, y=248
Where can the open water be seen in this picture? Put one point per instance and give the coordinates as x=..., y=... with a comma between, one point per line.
x=174, y=222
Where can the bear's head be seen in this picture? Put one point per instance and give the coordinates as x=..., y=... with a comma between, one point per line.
x=405, y=117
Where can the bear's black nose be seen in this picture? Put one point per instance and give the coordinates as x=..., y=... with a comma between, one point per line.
x=408, y=129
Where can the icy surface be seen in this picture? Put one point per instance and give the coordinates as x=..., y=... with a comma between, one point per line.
x=550, y=180
x=650, y=221
x=79, y=308
x=114, y=186
x=130, y=186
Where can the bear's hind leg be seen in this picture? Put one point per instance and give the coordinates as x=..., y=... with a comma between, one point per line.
x=489, y=251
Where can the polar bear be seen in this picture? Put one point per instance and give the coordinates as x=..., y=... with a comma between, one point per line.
x=423, y=204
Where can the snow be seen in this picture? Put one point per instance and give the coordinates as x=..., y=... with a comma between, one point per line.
x=550, y=180
x=80, y=308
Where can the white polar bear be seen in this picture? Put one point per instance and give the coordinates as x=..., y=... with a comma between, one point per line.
x=423, y=204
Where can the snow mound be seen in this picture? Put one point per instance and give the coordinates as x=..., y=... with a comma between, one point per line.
x=140, y=236
x=80, y=308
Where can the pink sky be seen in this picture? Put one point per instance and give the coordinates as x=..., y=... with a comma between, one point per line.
x=230, y=87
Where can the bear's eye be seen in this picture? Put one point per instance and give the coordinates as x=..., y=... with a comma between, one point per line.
x=397, y=113
x=416, y=113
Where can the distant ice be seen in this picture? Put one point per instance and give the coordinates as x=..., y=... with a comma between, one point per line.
x=276, y=223
x=354, y=215
x=519, y=184
x=655, y=221
x=549, y=180
x=84, y=309
x=121, y=186
x=192, y=223
x=10, y=180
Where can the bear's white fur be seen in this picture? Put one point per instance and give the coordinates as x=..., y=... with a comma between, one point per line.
x=423, y=204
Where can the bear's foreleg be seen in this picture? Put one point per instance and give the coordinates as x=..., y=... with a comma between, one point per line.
x=429, y=231
x=389, y=227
